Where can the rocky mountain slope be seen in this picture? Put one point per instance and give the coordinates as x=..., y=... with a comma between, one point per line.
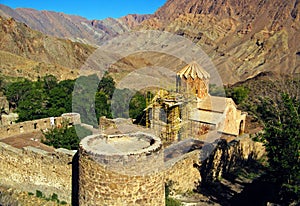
x=28, y=53
x=73, y=27
x=244, y=38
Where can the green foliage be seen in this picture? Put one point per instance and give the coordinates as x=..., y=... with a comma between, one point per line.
x=136, y=106
x=39, y=194
x=53, y=197
x=84, y=98
x=47, y=97
x=215, y=90
x=107, y=85
x=16, y=91
x=120, y=103
x=128, y=104
x=65, y=136
x=238, y=94
x=102, y=106
x=40, y=99
x=169, y=200
x=282, y=141
x=50, y=82
x=172, y=202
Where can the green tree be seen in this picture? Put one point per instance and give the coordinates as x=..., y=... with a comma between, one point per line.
x=15, y=91
x=101, y=105
x=32, y=106
x=83, y=98
x=282, y=141
x=120, y=103
x=107, y=85
x=238, y=94
x=136, y=107
x=65, y=137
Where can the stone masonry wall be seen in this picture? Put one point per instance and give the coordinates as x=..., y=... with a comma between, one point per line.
x=181, y=174
x=30, y=169
x=36, y=125
x=100, y=186
x=227, y=156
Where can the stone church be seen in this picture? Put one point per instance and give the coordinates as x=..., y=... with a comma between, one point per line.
x=191, y=111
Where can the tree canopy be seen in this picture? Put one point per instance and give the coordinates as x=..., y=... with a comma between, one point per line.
x=282, y=141
x=87, y=95
x=65, y=136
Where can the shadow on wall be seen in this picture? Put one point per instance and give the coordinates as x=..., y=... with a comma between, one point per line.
x=75, y=179
x=224, y=161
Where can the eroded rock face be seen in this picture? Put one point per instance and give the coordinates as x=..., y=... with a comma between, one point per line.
x=28, y=53
x=244, y=38
x=73, y=27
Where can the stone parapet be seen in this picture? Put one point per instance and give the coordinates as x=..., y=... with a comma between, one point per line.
x=37, y=125
x=121, y=170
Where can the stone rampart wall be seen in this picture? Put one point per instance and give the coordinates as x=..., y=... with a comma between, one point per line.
x=30, y=169
x=181, y=174
x=36, y=125
x=227, y=156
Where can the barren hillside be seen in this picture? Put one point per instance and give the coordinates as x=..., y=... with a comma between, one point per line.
x=244, y=38
x=72, y=27
x=28, y=53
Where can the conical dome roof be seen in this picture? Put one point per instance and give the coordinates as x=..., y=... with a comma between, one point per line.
x=193, y=70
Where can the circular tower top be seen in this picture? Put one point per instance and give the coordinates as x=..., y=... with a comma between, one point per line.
x=135, y=153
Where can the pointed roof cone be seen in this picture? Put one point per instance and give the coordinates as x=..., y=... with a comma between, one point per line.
x=193, y=70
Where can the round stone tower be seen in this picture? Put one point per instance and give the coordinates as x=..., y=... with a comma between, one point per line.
x=121, y=170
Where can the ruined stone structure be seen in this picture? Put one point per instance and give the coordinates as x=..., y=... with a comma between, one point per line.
x=37, y=125
x=191, y=111
x=30, y=169
x=133, y=169
x=121, y=170
x=6, y=117
x=4, y=105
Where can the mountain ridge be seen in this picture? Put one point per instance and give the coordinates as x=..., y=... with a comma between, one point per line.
x=24, y=51
x=73, y=27
x=243, y=38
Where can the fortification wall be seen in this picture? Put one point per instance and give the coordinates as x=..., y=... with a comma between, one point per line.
x=228, y=156
x=30, y=169
x=181, y=174
x=37, y=125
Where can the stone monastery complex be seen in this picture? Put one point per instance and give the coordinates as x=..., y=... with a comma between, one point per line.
x=133, y=168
